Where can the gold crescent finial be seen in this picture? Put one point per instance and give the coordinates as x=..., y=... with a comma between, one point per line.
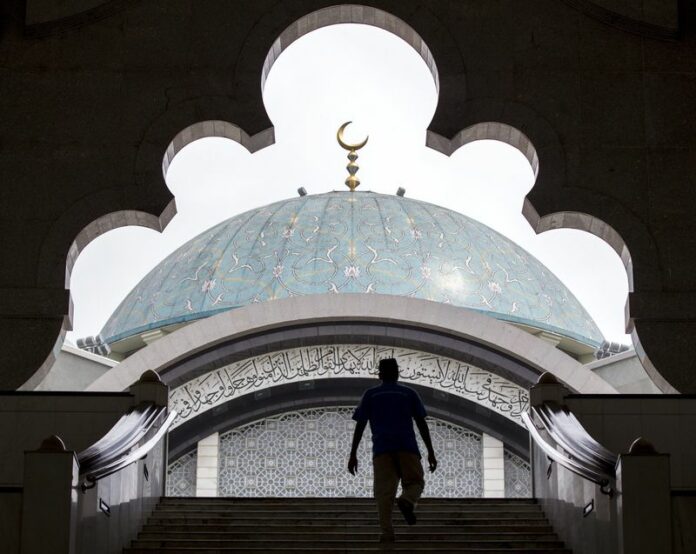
x=352, y=181
x=344, y=144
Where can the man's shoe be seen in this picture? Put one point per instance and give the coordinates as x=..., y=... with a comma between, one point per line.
x=387, y=537
x=407, y=511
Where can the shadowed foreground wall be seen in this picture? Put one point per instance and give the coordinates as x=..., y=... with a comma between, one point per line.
x=92, y=93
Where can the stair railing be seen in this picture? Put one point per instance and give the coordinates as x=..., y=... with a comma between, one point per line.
x=570, y=445
x=123, y=444
x=119, y=447
x=126, y=432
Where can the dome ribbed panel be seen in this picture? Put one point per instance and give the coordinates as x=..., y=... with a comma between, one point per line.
x=343, y=242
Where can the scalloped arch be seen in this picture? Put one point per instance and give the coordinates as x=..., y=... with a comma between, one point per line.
x=74, y=217
x=582, y=222
x=599, y=228
x=520, y=127
x=350, y=13
x=515, y=124
x=223, y=129
x=333, y=15
x=511, y=123
x=490, y=130
x=49, y=264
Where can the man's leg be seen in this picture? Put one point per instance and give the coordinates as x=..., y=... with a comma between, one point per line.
x=412, y=484
x=386, y=481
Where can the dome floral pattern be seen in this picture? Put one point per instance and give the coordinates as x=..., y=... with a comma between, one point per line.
x=352, y=242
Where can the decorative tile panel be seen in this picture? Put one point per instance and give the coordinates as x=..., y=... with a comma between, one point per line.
x=347, y=360
x=518, y=482
x=315, y=465
x=181, y=476
x=359, y=242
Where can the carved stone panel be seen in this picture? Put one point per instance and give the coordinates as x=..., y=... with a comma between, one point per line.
x=347, y=360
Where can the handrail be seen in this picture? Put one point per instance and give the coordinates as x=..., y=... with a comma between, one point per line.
x=132, y=457
x=580, y=453
x=119, y=448
x=560, y=458
x=566, y=420
x=125, y=434
x=569, y=433
x=128, y=421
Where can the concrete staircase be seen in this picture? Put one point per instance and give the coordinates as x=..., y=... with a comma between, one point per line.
x=343, y=525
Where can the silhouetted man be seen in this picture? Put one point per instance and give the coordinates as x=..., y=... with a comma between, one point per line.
x=391, y=408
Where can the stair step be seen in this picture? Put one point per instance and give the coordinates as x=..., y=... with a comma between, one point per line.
x=304, y=541
x=274, y=508
x=343, y=535
x=270, y=528
x=342, y=514
x=343, y=525
x=291, y=540
x=347, y=500
x=361, y=522
x=375, y=547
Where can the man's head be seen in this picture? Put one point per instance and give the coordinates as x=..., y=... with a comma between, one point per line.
x=388, y=370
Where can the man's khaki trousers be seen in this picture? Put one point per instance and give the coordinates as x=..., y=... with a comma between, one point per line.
x=389, y=469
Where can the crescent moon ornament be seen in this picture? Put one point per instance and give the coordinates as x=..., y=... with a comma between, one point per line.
x=344, y=144
x=352, y=181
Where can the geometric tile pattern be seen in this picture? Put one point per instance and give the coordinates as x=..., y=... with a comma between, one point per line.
x=181, y=475
x=517, y=476
x=351, y=242
x=305, y=454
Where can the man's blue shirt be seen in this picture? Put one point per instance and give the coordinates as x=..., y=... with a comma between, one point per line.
x=390, y=409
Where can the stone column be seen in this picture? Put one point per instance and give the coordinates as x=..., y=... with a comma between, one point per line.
x=50, y=499
x=493, y=465
x=644, y=503
x=207, y=466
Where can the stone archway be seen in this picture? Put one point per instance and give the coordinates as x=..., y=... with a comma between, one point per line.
x=191, y=350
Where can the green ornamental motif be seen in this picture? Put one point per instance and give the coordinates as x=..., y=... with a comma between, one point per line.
x=352, y=242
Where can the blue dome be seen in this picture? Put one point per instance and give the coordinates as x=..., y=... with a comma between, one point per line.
x=343, y=242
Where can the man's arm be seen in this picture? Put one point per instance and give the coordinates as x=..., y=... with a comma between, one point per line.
x=357, y=435
x=425, y=434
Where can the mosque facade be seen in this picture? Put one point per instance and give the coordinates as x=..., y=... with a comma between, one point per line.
x=358, y=246
x=264, y=331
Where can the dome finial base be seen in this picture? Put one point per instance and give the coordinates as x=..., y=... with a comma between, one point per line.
x=352, y=182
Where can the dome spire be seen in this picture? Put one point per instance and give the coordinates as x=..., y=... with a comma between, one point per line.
x=352, y=181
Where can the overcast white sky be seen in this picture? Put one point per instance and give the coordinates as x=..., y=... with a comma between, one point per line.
x=369, y=76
